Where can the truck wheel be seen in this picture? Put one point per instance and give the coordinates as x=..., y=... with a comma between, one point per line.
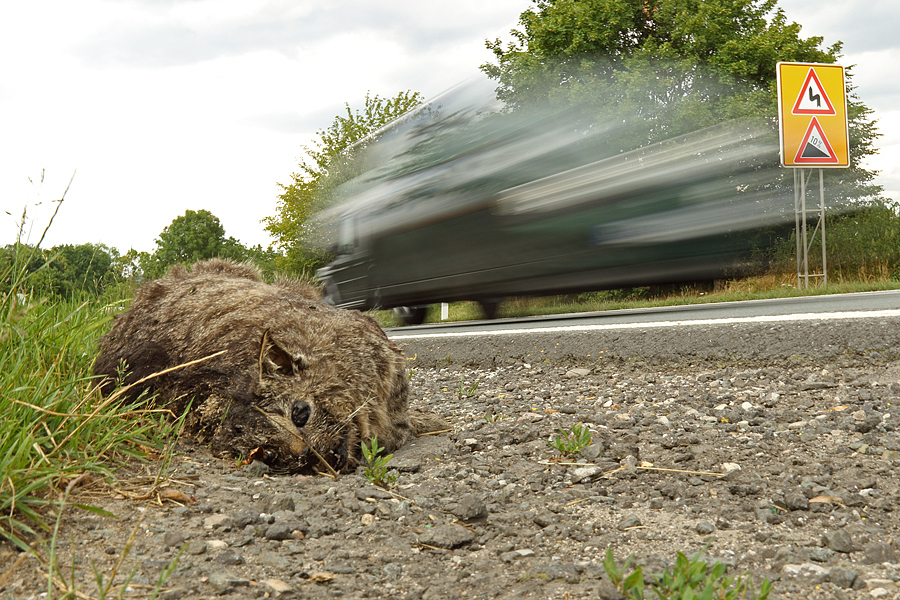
x=489, y=307
x=411, y=315
x=330, y=293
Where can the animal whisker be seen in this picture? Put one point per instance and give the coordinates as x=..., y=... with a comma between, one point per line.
x=340, y=425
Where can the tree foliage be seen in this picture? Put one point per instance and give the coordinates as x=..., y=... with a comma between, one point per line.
x=62, y=271
x=675, y=65
x=324, y=168
x=196, y=235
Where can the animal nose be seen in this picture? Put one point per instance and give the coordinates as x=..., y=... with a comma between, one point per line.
x=300, y=414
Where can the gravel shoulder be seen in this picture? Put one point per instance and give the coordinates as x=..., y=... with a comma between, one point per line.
x=772, y=449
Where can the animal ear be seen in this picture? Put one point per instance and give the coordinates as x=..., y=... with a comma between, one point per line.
x=275, y=360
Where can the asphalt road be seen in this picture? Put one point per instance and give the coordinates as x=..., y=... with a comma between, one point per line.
x=811, y=329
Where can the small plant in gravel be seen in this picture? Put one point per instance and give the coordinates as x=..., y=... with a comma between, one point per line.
x=492, y=417
x=376, y=470
x=572, y=442
x=690, y=579
x=463, y=391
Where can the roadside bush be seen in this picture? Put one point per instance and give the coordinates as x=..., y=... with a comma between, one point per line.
x=861, y=245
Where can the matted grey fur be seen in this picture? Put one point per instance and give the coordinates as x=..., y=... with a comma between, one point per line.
x=295, y=371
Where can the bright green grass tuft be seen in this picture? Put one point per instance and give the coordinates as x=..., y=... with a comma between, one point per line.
x=54, y=424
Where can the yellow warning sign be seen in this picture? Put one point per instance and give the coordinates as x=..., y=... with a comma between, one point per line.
x=812, y=115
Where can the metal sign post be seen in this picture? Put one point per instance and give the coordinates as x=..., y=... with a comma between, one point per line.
x=814, y=132
x=804, y=240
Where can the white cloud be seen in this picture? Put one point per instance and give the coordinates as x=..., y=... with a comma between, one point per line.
x=166, y=106
x=862, y=25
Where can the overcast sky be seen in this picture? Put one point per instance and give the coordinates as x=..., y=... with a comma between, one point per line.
x=159, y=106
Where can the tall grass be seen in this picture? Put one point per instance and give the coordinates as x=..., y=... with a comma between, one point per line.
x=54, y=424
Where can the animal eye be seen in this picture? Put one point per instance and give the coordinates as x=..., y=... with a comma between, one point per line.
x=300, y=414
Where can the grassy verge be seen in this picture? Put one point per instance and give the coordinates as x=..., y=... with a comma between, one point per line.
x=54, y=425
x=752, y=288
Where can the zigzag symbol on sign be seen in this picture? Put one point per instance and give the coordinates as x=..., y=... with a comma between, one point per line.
x=812, y=99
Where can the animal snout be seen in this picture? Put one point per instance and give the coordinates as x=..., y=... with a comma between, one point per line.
x=300, y=414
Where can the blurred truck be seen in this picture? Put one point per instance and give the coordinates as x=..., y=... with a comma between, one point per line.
x=461, y=201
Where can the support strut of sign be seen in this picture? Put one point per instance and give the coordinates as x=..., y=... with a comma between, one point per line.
x=804, y=241
x=814, y=132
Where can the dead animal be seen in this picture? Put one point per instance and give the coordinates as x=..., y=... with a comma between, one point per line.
x=298, y=382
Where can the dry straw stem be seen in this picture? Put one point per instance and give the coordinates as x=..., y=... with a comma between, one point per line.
x=673, y=471
x=155, y=489
x=22, y=556
x=71, y=415
x=53, y=216
x=438, y=432
x=638, y=467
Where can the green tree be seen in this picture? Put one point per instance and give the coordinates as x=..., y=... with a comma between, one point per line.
x=675, y=65
x=196, y=235
x=127, y=267
x=266, y=259
x=328, y=164
x=62, y=270
x=89, y=267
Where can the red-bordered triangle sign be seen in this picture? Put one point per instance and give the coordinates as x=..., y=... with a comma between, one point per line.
x=815, y=147
x=812, y=99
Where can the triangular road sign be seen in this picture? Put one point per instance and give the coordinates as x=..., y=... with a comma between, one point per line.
x=812, y=99
x=815, y=149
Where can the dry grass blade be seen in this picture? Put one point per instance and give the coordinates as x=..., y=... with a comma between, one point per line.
x=121, y=391
x=640, y=468
x=12, y=569
x=131, y=413
x=53, y=216
x=438, y=432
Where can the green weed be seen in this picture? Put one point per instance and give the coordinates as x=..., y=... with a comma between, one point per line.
x=464, y=391
x=376, y=470
x=690, y=579
x=572, y=442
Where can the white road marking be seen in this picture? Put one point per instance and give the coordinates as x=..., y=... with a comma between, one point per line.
x=869, y=314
